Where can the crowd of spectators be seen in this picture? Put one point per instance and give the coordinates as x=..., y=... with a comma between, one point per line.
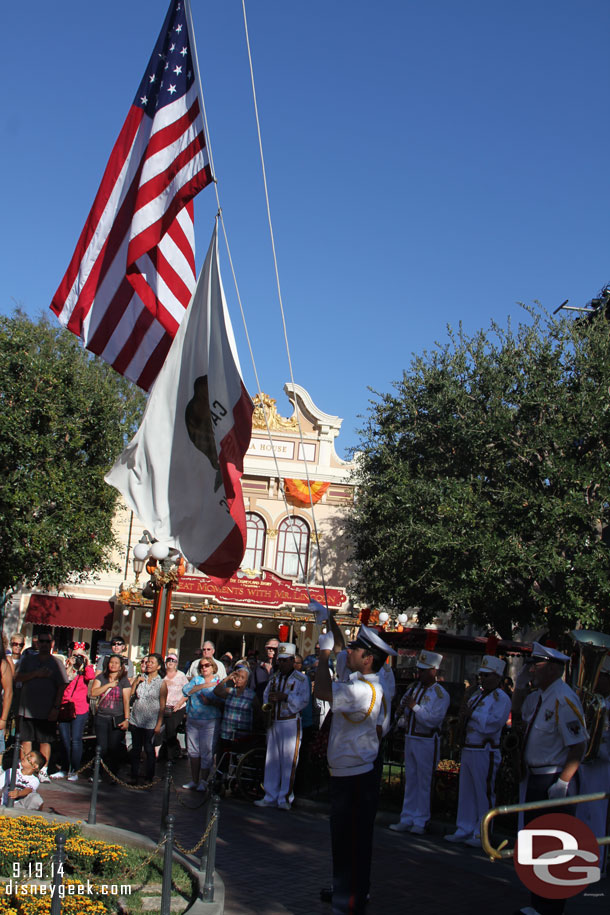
x=53, y=702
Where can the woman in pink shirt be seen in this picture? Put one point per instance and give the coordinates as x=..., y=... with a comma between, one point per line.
x=74, y=710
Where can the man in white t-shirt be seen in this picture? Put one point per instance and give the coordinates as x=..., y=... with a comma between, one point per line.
x=208, y=655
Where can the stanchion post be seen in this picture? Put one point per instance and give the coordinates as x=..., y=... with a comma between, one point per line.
x=58, y=873
x=92, y=818
x=208, y=885
x=167, y=781
x=166, y=889
x=15, y=764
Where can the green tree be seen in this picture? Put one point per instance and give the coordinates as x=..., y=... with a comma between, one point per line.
x=484, y=480
x=64, y=418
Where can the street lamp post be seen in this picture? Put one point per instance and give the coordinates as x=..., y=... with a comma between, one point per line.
x=167, y=567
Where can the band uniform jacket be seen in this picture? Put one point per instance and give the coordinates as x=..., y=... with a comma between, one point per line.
x=297, y=686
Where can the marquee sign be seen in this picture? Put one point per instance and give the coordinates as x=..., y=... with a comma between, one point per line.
x=270, y=590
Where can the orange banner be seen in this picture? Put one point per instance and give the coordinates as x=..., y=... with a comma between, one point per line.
x=301, y=492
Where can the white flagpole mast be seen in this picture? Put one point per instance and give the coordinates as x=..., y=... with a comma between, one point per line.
x=191, y=29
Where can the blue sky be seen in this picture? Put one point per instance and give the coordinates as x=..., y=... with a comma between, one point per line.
x=428, y=163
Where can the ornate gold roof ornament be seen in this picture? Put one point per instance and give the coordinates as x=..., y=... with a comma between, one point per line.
x=265, y=405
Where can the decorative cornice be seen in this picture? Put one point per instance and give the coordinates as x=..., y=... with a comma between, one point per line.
x=313, y=413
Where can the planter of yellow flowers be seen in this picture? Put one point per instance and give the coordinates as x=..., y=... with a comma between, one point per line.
x=106, y=871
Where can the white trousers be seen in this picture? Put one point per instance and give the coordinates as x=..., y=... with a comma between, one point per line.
x=476, y=796
x=421, y=758
x=283, y=747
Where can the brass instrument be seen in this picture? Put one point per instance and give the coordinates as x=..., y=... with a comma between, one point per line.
x=502, y=851
x=267, y=710
x=268, y=707
x=593, y=648
x=401, y=709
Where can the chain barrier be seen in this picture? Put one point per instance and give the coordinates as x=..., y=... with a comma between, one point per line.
x=84, y=768
x=142, y=864
x=195, y=848
x=179, y=798
x=123, y=784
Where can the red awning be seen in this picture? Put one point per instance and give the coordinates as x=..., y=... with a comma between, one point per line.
x=71, y=612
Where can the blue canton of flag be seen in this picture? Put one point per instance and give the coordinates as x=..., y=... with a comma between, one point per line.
x=170, y=69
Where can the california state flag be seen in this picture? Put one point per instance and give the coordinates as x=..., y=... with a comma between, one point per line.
x=181, y=472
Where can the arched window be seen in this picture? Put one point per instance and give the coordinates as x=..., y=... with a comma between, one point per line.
x=255, y=548
x=292, y=548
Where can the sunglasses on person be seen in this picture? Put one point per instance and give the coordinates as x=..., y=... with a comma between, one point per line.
x=171, y=660
x=204, y=665
x=17, y=644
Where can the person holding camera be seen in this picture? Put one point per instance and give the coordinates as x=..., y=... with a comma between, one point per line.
x=74, y=710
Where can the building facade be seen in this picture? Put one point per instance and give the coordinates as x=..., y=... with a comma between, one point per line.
x=297, y=493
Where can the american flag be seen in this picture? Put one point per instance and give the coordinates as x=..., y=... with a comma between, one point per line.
x=132, y=274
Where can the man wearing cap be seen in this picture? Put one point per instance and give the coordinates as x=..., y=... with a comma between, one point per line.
x=421, y=713
x=287, y=692
x=387, y=682
x=594, y=775
x=117, y=646
x=554, y=740
x=353, y=747
x=486, y=712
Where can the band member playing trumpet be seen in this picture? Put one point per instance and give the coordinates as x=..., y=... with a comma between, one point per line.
x=484, y=714
x=287, y=692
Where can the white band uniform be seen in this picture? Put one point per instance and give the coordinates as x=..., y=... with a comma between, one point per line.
x=284, y=736
x=422, y=724
x=480, y=760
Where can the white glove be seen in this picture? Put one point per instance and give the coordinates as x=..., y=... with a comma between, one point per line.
x=326, y=641
x=523, y=677
x=320, y=612
x=558, y=789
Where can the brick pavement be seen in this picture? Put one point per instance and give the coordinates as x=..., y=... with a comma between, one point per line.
x=274, y=862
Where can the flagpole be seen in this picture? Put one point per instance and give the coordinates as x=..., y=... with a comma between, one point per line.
x=191, y=28
x=159, y=603
x=166, y=612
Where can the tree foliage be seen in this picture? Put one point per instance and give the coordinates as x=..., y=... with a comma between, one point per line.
x=64, y=419
x=484, y=480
